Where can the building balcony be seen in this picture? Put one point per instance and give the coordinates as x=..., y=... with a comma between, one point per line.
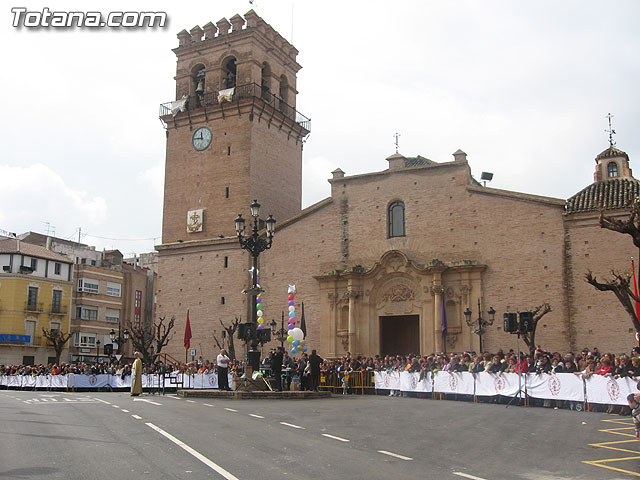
x=34, y=307
x=58, y=310
x=249, y=91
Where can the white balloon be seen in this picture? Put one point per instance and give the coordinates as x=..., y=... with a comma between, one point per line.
x=292, y=308
x=292, y=289
x=297, y=334
x=259, y=312
x=291, y=333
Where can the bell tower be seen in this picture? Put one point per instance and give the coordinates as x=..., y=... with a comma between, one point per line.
x=233, y=132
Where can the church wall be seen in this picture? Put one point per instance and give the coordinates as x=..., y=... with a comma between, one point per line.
x=597, y=318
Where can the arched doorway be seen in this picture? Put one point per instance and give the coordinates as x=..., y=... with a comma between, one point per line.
x=399, y=335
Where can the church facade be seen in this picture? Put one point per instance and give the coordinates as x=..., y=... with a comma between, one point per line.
x=380, y=262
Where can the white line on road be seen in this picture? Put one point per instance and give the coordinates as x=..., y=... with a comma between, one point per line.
x=172, y=396
x=191, y=401
x=231, y=410
x=391, y=454
x=466, y=475
x=125, y=411
x=292, y=425
x=255, y=416
x=195, y=453
x=335, y=438
x=137, y=417
x=207, y=405
x=145, y=400
x=108, y=403
x=115, y=406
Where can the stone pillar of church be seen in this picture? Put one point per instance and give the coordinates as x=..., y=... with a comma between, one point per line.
x=352, y=320
x=437, y=312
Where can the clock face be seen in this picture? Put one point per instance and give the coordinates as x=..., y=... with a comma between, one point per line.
x=201, y=138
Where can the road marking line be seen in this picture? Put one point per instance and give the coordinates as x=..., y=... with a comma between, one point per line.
x=173, y=396
x=97, y=399
x=137, y=417
x=292, y=425
x=597, y=464
x=207, y=405
x=391, y=454
x=466, y=475
x=145, y=400
x=191, y=401
x=115, y=406
x=125, y=411
x=335, y=438
x=230, y=409
x=195, y=453
x=255, y=416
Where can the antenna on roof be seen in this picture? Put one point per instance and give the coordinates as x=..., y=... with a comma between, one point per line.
x=611, y=132
x=51, y=230
x=396, y=135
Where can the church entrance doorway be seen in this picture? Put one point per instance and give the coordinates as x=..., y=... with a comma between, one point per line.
x=399, y=335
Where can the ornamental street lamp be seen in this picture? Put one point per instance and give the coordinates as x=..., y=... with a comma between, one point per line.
x=281, y=334
x=98, y=351
x=255, y=245
x=479, y=325
x=121, y=338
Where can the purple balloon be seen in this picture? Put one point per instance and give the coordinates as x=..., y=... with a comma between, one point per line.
x=291, y=303
x=292, y=326
x=260, y=326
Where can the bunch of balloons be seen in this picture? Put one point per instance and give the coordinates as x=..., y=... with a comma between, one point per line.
x=259, y=307
x=296, y=336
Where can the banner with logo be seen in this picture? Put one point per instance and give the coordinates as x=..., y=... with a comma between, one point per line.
x=491, y=384
x=411, y=382
x=387, y=380
x=609, y=390
x=559, y=386
x=87, y=381
x=454, y=382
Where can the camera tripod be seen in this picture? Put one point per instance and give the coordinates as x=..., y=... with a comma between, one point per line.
x=519, y=393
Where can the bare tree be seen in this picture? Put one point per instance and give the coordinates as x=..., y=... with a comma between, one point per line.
x=153, y=340
x=619, y=284
x=57, y=340
x=227, y=337
x=530, y=337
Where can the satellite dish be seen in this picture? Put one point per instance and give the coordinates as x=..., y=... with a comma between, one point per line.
x=486, y=177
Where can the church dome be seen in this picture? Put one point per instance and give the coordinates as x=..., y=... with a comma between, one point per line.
x=605, y=195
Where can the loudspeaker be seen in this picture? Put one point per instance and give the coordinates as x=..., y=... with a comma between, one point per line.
x=510, y=322
x=108, y=349
x=245, y=330
x=526, y=322
x=264, y=335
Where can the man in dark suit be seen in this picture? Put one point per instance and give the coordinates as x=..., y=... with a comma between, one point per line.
x=276, y=368
x=315, y=361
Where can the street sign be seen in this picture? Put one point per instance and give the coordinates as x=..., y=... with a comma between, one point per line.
x=118, y=357
x=193, y=352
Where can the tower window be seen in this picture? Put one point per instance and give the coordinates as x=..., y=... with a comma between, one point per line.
x=198, y=80
x=226, y=262
x=265, y=82
x=396, y=220
x=226, y=192
x=228, y=150
x=229, y=73
x=222, y=300
x=612, y=169
x=283, y=94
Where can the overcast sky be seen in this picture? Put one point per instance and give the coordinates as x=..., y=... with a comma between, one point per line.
x=523, y=87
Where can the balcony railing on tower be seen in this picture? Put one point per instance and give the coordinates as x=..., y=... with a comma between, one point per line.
x=251, y=90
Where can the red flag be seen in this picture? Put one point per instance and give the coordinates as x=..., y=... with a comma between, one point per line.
x=187, y=333
x=635, y=289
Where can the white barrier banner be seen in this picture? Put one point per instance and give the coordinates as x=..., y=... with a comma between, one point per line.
x=13, y=380
x=28, y=381
x=88, y=381
x=58, y=381
x=559, y=386
x=411, y=382
x=387, y=380
x=43, y=381
x=491, y=384
x=609, y=390
x=454, y=382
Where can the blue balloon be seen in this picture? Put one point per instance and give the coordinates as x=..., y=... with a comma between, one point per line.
x=304, y=348
x=294, y=350
x=292, y=314
x=295, y=343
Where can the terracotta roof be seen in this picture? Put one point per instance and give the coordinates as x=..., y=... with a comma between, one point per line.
x=607, y=195
x=12, y=245
x=610, y=153
x=417, y=161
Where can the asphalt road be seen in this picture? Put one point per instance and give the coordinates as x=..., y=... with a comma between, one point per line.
x=99, y=435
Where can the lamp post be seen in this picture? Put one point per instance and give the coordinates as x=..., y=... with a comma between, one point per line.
x=281, y=334
x=98, y=351
x=121, y=338
x=479, y=325
x=255, y=245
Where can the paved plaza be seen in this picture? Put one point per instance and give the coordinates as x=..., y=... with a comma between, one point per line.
x=59, y=435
